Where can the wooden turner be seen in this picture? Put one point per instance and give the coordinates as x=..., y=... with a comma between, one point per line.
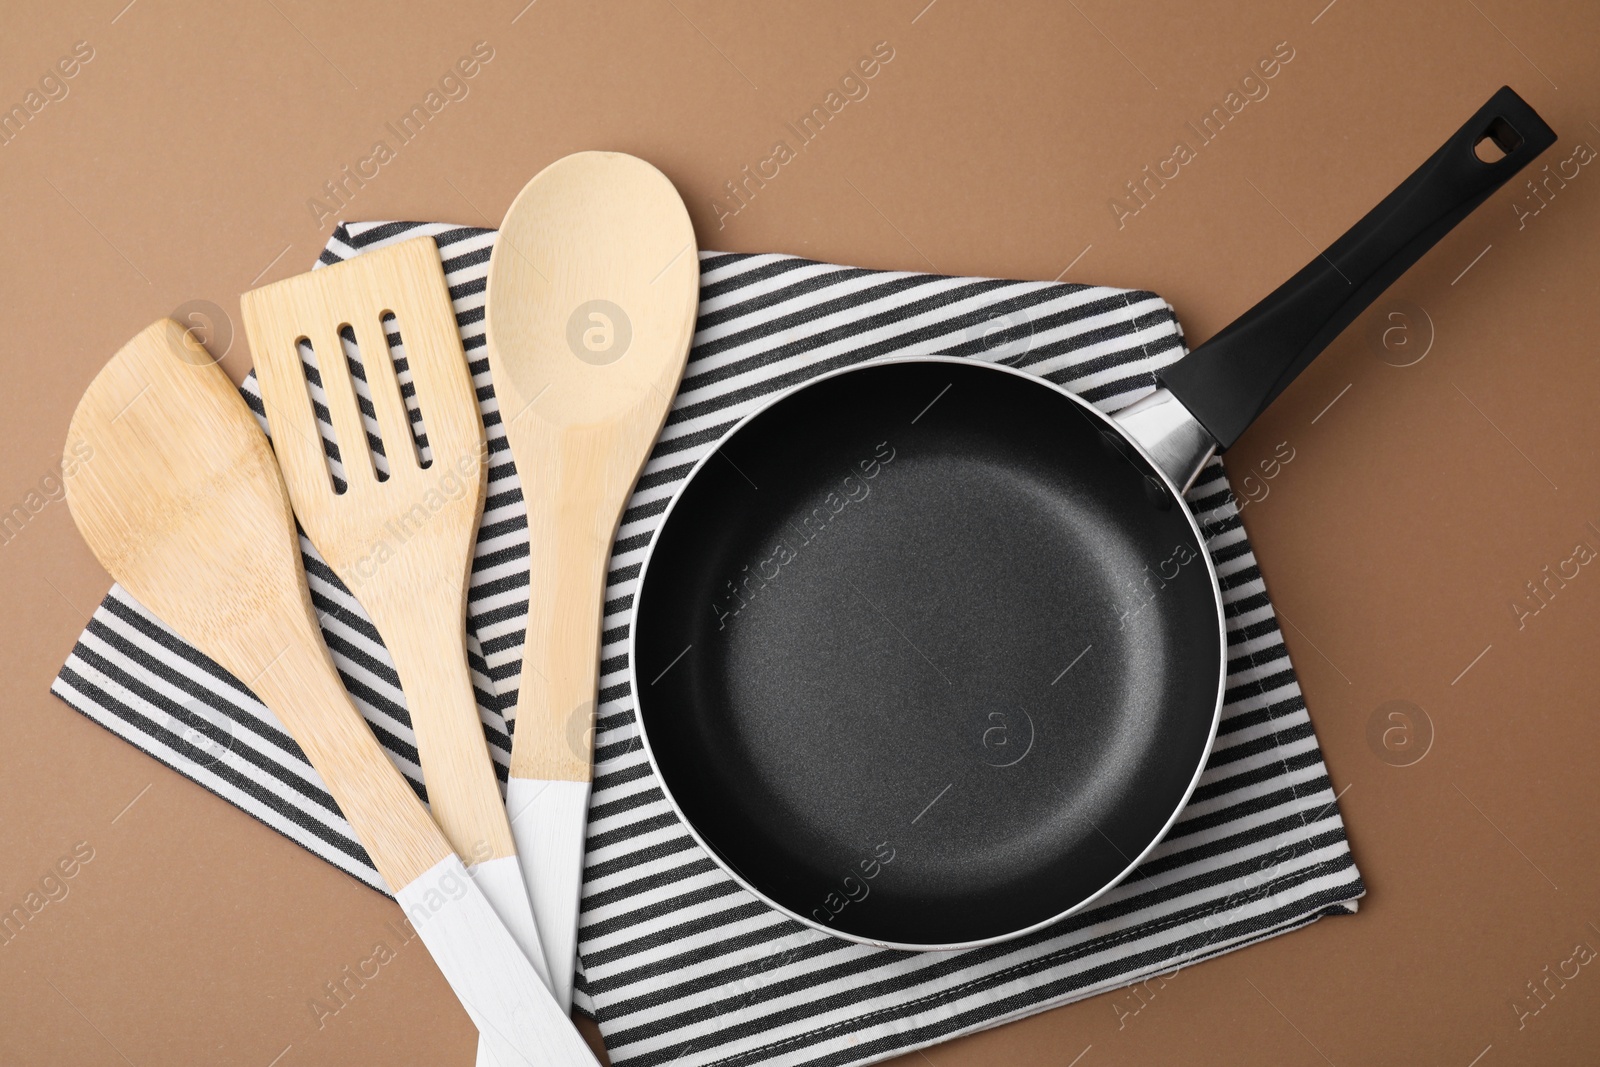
x=402, y=545
x=593, y=288
x=183, y=504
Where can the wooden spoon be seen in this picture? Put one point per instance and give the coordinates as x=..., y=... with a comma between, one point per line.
x=402, y=545
x=594, y=284
x=182, y=503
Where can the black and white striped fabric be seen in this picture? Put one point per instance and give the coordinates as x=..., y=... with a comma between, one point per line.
x=678, y=964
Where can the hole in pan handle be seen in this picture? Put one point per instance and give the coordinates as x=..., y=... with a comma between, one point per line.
x=1229, y=380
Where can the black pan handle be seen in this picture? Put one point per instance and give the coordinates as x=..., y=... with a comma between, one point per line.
x=1229, y=380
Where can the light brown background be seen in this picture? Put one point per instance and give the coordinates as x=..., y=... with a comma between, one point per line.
x=1416, y=507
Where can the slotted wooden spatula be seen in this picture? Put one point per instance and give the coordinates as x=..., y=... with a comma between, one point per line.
x=593, y=287
x=182, y=503
x=400, y=538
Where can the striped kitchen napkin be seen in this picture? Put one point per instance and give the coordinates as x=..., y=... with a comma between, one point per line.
x=678, y=964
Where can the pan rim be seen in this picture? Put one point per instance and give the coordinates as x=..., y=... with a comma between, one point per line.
x=917, y=946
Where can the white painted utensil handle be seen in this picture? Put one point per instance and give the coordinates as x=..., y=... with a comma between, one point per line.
x=548, y=820
x=516, y=1017
x=501, y=882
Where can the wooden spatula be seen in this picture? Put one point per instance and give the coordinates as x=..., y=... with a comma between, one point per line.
x=402, y=545
x=182, y=503
x=593, y=290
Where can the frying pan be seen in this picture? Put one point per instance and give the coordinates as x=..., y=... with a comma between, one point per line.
x=929, y=653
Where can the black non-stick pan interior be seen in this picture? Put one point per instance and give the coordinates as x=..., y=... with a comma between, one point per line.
x=927, y=654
